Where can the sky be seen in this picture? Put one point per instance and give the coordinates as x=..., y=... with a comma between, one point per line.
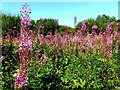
x=64, y=11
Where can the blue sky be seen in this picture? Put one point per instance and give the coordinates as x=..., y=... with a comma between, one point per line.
x=64, y=11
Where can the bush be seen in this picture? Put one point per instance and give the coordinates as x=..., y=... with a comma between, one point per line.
x=10, y=25
x=9, y=65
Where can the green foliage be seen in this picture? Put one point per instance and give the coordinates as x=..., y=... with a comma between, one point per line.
x=62, y=29
x=49, y=25
x=118, y=20
x=9, y=65
x=100, y=21
x=62, y=70
x=33, y=26
x=8, y=22
x=67, y=71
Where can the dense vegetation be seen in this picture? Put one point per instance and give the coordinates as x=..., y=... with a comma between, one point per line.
x=44, y=55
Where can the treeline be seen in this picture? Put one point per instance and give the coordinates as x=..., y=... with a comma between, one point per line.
x=101, y=21
x=11, y=25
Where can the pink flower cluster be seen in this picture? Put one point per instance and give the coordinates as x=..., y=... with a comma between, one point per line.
x=25, y=14
x=25, y=21
x=83, y=26
x=81, y=41
x=109, y=27
x=20, y=81
x=94, y=29
x=8, y=37
x=25, y=47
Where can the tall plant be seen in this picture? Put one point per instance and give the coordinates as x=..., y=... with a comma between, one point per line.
x=25, y=47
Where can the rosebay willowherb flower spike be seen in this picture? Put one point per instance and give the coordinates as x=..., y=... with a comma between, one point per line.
x=25, y=14
x=25, y=11
x=25, y=47
x=83, y=26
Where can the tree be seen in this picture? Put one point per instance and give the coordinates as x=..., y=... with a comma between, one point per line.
x=100, y=21
x=75, y=21
x=61, y=29
x=48, y=25
x=10, y=24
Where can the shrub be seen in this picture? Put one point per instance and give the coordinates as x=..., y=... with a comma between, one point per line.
x=9, y=65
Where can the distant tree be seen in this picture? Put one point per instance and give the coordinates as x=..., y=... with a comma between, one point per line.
x=10, y=24
x=33, y=25
x=75, y=21
x=118, y=20
x=100, y=21
x=48, y=25
x=70, y=29
x=61, y=29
